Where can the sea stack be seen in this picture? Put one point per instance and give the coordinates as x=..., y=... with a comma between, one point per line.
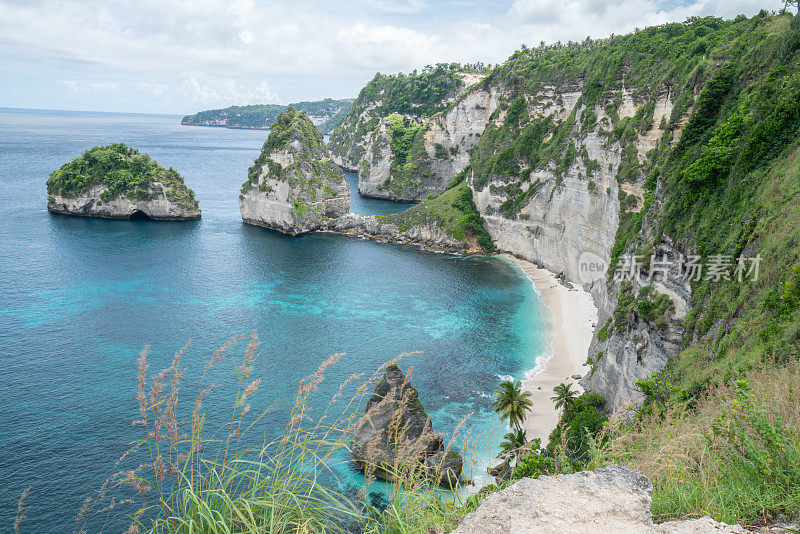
x=294, y=185
x=118, y=182
x=394, y=440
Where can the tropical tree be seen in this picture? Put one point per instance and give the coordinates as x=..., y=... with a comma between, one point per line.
x=564, y=395
x=512, y=403
x=513, y=444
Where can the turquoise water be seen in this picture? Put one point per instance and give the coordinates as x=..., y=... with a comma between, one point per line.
x=80, y=298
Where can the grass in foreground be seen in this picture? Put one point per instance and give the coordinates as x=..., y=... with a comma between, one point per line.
x=733, y=453
x=198, y=480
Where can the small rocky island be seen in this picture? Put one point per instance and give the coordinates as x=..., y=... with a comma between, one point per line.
x=294, y=186
x=395, y=439
x=118, y=182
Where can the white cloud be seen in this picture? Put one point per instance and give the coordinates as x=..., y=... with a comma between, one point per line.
x=181, y=53
x=90, y=88
x=405, y=7
x=215, y=92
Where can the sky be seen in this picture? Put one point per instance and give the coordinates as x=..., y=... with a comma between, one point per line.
x=182, y=56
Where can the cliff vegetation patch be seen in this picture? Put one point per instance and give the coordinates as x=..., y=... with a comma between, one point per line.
x=123, y=171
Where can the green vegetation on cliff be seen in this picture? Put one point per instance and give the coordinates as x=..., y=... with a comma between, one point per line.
x=410, y=161
x=730, y=190
x=418, y=94
x=453, y=211
x=681, y=57
x=124, y=172
x=262, y=116
x=311, y=168
x=723, y=414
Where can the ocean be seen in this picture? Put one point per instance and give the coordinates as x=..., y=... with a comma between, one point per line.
x=80, y=298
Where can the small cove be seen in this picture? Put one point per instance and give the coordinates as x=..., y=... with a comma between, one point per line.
x=82, y=297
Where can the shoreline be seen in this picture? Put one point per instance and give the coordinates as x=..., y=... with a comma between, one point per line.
x=573, y=317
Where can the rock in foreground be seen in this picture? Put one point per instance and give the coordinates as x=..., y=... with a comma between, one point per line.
x=117, y=182
x=395, y=440
x=609, y=500
x=294, y=185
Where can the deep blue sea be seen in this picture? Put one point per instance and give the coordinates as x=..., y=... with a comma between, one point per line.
x=80, y=298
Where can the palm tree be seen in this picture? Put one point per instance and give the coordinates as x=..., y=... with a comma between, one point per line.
x=513, y=443
x=564, y=395
x=512, y=403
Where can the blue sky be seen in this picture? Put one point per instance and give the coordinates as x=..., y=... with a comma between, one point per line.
x=181, y=56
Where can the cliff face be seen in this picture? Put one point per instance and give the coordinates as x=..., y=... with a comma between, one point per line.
x=294, y=186
x=600, y=160
x=117, y=182
x=566, y=212
x=391, y=140
x=90, y=204
x=556, y=212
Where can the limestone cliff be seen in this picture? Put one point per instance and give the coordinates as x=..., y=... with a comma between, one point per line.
x=548, y=172
x=294, y=186
x=563, y=205
x=406, y=146
x=118, y=182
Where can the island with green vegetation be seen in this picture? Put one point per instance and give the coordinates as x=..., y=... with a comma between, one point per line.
x=325, y=114
x=118, y=182
x=294, y=185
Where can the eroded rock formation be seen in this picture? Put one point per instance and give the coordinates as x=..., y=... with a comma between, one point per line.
x=294, y=185
x=394, y=440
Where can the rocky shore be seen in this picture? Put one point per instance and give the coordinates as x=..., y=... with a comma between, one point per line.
x=429, y=237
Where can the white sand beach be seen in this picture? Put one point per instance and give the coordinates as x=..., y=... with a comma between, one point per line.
x=572, y=323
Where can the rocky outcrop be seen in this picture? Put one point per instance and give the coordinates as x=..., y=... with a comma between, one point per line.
x=439, y=152
x=407, y=152
x=294, y=186
x=394, y=440
x=118, y=182
x=447, y=222
x=611, y=500
x=631, y=347
x=427, y=236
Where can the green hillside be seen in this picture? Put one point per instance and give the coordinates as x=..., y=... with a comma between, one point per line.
x=327, y=114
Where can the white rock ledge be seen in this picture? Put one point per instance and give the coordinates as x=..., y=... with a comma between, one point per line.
x=612, y=500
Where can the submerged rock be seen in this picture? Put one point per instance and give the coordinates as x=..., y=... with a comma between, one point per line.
x=118, y=182
x=501, y=472
x=395, y=439
x=294, y=185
